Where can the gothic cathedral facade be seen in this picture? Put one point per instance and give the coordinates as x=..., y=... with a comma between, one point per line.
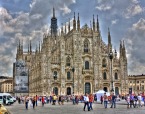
x=75, y=61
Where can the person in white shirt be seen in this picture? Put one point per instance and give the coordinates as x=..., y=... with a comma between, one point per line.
x=86, y=102
x=139, y=100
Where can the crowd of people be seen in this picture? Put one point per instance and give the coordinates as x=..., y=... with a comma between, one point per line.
x=88, y=100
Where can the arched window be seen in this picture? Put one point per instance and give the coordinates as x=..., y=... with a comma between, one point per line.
x=104, y=63
x=86, y=46
x=68, y=76
x=23, y=74
x=68, y=61
x=116, y=76
x=105, y=89
x=55, y=90
x=86, y=64
x=116, y=90
x=104, y=76
x=68, y=91
x=55, y=75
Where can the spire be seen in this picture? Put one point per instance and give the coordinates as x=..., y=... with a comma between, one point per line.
x=53, y=25
x=30, y=47
x=97, y=24
x=93, y=24
x=53, y=12
x=74, y=23
x=115, y=53
x=65, y=28
x=36, y=49
x=124, y=50
x=39, y=46
x=120, y=48
x=19, y=45
x=78, y=23
x=22, y=47
x=61, y=28
x=69, y=25
x=109, y=36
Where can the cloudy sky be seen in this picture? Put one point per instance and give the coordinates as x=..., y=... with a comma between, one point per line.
x=29, y=19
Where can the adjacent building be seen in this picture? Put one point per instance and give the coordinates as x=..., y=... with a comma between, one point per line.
x=6, y=84
x=75, y=61
x=136, y=83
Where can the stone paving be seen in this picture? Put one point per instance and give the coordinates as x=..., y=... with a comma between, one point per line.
x=68, y=108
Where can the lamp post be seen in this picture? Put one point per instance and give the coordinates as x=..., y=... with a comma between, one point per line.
x=111, y=58
x=73, y=70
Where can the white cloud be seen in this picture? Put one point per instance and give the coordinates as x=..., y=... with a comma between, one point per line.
x=133, y=10
x=135, y=1
x=114, y=21
x=65, y=10
x=135, y=47
x=104, y=7
x=36, y=16
x=140, y=25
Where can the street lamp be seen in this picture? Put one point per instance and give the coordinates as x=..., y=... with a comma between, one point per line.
x=73, y=70
x=111, y=57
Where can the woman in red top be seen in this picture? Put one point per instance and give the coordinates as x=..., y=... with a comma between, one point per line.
x=91, y=100
x=42, y=101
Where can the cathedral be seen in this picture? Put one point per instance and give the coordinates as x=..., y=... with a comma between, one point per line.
x=75, y=61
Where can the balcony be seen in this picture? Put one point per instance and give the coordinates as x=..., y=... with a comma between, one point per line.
x=87, y=71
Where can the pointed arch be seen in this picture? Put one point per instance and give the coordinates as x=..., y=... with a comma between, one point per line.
x=55, y=90
x=116, y=76
x=23, y=74
x=86, y=64
x=68, y=75
x=55, y=75
x=104, y=63
x=104, y=76
x=86, y=45
x=68, y=61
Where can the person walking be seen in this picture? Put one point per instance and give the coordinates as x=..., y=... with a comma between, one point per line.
x=50, y=98
x=91, y=100
x=128, y=100
x=132, y=101
x=101, y=99
x=144, y=99
x=42, y=101
x=73, y=99
x=86, y=102
x=105, y=100
x=59, y=99
x=26, y=102
x=139, y=100
x=36, y=100
x=33, y=102
x=54, y=99
x=135, y=101
x=113, y=100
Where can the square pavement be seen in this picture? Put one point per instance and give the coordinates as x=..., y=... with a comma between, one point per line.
x=69, y=108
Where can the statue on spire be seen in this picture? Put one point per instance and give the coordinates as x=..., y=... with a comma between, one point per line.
x=53, y=12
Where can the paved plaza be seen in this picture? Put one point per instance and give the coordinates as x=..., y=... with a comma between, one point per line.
x=68, y=108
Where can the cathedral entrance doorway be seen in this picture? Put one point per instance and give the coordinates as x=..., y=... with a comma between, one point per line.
x=55, y=90
x=105, y=89
x=87, y=88
x=116, y=91
x=68, y=91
